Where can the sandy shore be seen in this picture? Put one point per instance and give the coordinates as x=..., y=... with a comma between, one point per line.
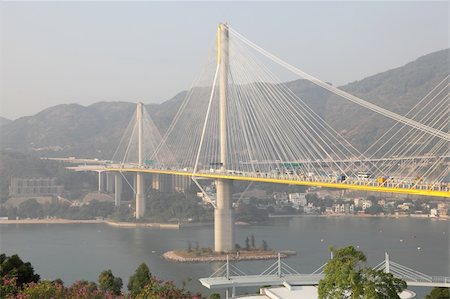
x=92, y=221
x=49, y=221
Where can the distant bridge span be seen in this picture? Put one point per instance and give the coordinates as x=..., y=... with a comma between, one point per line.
x=286, y=179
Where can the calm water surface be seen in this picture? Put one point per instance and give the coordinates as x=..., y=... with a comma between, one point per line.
x=82, y=251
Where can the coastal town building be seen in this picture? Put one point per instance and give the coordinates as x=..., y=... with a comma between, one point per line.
x=169, y=184
x=298, y=200
x=19, y=187
x=442, y=210
x=281, y=197
x=365, y=204
x=404, y=206
x=344, y=208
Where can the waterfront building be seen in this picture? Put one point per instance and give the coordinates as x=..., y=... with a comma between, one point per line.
x=34, y=187
x=301, y=292
x=365, y=204
x=298, y=200
x=442, y=209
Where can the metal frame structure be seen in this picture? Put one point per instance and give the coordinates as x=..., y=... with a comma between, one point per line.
x=229, y=277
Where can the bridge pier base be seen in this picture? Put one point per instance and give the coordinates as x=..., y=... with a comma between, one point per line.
x=140, y=195
x=224, y=217
x=117, y=189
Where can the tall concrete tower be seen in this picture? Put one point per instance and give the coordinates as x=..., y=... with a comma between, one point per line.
x=223, y=214
x=140, y=195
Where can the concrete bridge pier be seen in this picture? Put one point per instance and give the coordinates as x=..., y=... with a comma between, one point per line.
x=117, y=189
x=101, y=187
x=140, y=195
x=224, y=217
x=110, y=182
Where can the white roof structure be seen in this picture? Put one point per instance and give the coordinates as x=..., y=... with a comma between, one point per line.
x=300, y=292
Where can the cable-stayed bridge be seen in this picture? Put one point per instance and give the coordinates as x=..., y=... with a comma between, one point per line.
x=240, y=122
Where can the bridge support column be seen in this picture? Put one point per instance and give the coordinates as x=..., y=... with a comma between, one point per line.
x=156, y=181
x=134, y=185
x=118, y=189
x=109, y=183
x=100, y=182
x=223, y=217
x=140, y=195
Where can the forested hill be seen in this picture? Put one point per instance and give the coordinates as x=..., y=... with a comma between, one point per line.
x=95, y=130
x=4, y=121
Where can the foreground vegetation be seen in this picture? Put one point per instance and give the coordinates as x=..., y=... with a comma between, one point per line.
x=18, y=281
x=345, y=277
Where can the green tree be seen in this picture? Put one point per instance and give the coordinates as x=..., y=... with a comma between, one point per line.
x=345, y=277
x=252, y=240
x=375, y=209
x=109, y=283
x=139, y=280
x=13, y=266
x=379, y=284
x=247, y=244
x=214, y=296
x=30, y=209
x=373, y=199
x=439, y=293
x=264, y=245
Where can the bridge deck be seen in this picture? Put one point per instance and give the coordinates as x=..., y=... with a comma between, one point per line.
x=364, y=185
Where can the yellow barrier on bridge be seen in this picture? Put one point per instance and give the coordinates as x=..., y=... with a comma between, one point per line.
x=293, y=181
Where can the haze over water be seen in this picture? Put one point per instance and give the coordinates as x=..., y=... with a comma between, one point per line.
x=82, y=251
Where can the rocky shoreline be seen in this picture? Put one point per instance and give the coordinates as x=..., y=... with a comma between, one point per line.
x=177, y=256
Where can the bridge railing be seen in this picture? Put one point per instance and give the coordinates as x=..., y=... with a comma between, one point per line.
x=433, y=279
x=372, y=182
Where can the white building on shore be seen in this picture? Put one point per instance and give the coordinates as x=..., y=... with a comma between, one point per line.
x=300, y=292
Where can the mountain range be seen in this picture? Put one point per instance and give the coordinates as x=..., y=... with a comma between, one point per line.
x=4, y=121
x=95, y=130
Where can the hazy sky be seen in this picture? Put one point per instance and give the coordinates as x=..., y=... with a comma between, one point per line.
x=84, y=52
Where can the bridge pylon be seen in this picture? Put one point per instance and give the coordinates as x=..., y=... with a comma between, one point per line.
x=223, y=213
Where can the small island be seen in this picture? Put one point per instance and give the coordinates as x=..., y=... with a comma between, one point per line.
x=249, y=252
